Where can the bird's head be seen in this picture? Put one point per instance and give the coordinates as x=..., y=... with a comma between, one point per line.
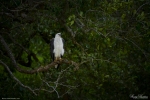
x=58, y=34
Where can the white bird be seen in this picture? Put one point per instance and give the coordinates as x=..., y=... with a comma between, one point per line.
x=57, y=48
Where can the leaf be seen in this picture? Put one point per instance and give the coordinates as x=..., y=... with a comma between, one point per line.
x=123, y=16
x=71, y=23
x=81, y=13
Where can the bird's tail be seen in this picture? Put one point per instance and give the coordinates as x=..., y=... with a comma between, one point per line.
x=57, y=66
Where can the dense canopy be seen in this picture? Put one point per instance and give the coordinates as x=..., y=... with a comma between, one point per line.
x=107, y=49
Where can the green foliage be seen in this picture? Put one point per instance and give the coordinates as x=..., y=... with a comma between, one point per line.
x=111, y=44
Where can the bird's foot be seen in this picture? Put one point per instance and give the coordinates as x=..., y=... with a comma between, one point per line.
x=60, y=59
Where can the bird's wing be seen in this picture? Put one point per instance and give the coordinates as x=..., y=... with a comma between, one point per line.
x=63, y=40
x=52, y=48
x=63, y=44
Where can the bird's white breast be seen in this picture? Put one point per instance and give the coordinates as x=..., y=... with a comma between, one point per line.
x=58, y=46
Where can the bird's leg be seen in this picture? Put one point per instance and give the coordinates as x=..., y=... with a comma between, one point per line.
x=55, y=59
x=60, y=59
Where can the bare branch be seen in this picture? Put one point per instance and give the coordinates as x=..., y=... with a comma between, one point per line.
x=43, y=90
x=70, y=30
x=55, y=84
x=11, y=74
x=89, y=60
x=136, y=46
x=53, y=87
x=141, y=7
x=74, y=41
x=80, y=25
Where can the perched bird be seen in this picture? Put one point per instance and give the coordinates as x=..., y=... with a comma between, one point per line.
x=57, y=48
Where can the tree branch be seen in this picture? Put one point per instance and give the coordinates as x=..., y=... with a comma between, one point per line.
x=73, y=39
x=70, y=30
x=11, y=74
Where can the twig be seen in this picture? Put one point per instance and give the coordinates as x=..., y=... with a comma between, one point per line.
x=136, y=46
x=54, y=88
x=95, y=60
